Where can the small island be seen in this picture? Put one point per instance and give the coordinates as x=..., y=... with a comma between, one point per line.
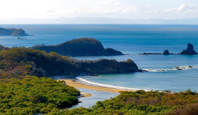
x=12, y=32
x=188, y=51
x=80, y=47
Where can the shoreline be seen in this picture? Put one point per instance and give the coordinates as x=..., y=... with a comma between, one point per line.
x=77, y=84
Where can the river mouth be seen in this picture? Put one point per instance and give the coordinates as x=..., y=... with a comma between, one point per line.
x=96, y=96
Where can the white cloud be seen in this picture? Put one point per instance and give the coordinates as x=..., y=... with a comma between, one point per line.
x=182, y=7
x=188, y=7
x=95, y=11
x=182, y=11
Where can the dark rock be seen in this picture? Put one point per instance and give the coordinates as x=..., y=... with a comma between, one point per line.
x=112, y=52
x=166, y=52
x=12, y=32
x=80, y=47
x=150, y=53
x=189, y=51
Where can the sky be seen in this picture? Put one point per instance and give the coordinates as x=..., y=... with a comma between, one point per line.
x=98, y=11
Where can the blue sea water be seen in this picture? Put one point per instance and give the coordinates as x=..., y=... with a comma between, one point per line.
x=95, y=96
x=132, y=40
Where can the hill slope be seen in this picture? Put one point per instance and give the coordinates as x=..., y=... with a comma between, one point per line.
x=81, y=47
x=25, y=61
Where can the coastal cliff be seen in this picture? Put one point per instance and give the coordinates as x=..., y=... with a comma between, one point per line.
x=80, y=47
x=12, y=32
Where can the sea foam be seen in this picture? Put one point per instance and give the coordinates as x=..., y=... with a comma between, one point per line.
x=178, y=68
x=80, y=79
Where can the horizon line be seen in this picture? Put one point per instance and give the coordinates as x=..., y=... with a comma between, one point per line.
x=87, y=24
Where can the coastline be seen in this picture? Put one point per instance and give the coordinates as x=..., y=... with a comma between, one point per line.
x=77, y=84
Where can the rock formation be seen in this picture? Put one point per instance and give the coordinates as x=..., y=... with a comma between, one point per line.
x=189, y=51
x=80, y=47
x=166, y=52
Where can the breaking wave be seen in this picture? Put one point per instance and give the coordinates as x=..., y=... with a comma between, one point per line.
x=178, y=68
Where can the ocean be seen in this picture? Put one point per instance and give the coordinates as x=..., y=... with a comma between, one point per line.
x=132, y=40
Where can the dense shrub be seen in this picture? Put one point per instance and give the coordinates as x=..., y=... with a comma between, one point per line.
x=35, y=95
x=144, y=103
x=191, y=109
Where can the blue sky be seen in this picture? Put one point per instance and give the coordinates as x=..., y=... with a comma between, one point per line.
x=99, y=11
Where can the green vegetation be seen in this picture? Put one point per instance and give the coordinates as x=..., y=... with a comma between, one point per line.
x=18, y=62
x=143, y=103
x=35, y=95
x=21, y=94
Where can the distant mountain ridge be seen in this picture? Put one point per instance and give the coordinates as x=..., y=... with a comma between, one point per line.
x=80, y=47
x=12, y=32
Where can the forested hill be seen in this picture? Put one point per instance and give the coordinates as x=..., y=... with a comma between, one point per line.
x=24, y=61
x=80, y=47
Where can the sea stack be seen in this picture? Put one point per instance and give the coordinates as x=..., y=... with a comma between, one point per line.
x=189, y=51
x=166, y=52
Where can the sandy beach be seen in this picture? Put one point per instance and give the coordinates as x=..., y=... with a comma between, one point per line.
x=77, y=84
